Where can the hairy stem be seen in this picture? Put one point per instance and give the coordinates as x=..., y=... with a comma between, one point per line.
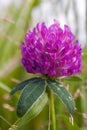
x=51, y=98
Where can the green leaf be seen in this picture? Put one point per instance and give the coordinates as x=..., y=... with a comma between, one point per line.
x=36, y=108
x=29, y=95
x=21, y=85
x=74, y=78
x=63, y=94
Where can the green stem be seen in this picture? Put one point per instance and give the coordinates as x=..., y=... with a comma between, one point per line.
x=51, y=96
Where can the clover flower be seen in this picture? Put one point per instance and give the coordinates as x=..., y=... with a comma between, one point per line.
x=51, y=51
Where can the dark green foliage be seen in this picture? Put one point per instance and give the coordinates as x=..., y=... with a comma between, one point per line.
x=29, y=95
x=73, y=79
x=63, y=94
x=21, y=85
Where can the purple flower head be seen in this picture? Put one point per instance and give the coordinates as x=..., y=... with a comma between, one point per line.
x=51, y=51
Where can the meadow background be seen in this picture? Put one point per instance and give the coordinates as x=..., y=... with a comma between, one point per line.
x=16, y=17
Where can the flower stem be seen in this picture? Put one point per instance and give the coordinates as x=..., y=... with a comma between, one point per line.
x=51, y=96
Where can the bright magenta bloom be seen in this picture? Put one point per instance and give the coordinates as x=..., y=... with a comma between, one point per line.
x=51, y=51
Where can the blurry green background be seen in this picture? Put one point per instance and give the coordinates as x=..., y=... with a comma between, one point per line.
x=16, y=17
